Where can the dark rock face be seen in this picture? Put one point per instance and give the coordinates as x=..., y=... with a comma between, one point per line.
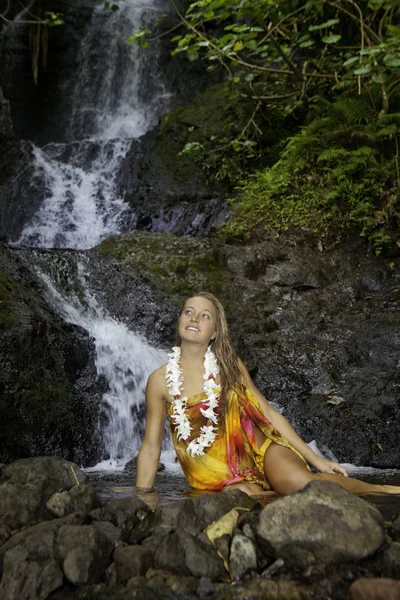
x=17, y=175
x=28, y=484
x=319, y=335
x=37, y=110
x=6, y=126
x=49, y=393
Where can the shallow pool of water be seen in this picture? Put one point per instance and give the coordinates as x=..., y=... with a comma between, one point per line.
x=172, y=487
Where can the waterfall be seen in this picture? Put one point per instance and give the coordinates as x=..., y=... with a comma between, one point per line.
x=116, y=96
x=124, y=358
x=81, y=207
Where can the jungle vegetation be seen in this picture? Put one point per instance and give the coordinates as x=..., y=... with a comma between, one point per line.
x=325, y=74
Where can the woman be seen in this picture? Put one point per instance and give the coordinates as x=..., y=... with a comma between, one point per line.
x=224, y=431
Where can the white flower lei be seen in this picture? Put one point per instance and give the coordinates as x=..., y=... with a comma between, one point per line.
x=181, y=422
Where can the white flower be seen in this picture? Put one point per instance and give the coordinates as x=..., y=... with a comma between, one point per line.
x=174, y=379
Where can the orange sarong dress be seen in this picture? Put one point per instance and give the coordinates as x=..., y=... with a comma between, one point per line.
x=234, y=456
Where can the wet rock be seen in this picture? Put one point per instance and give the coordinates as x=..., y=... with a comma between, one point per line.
x=170, y=555
x=27, y=563
x=323, y=523
x=390, y=561
x=80, y=498
x=6, y=126
x=18, y=174
x=174, y=586
x=192, y=514
x=205, y=587
x=24, y=578
x=395, y=529
x=5, y=533
x=310, y=312
x=210, y=507
x=375, y=589
x=186, y=554
x=27, y=484
x=50, y=391
x=263, y=589
x=107, y=529
x=243, y=556
x=132, y=561
x=124, y=513
x=83, y=552
x=201, y=558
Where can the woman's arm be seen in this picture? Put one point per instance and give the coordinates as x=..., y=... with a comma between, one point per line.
x=287, y=431
x=149, y=453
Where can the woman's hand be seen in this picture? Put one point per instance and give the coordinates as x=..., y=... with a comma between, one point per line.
x=328, y=466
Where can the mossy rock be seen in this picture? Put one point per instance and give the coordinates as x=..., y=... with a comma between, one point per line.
x=174, y=266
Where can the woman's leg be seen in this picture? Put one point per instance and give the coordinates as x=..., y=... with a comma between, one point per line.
x=287, y=474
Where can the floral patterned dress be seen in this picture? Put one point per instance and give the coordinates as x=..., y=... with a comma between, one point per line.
x=234, y=456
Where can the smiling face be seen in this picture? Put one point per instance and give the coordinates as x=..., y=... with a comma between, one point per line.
x=197, y=321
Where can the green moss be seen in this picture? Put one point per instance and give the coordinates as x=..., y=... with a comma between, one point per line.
x=175, y=266
x=206, y=136
x=336, y=175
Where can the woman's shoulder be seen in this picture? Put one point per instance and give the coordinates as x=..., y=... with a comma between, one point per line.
x=158, y=374
x=157, y=381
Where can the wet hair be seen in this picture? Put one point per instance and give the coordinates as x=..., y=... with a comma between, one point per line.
x=226, y=356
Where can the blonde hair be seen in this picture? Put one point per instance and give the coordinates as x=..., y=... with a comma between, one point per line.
x=226, y=356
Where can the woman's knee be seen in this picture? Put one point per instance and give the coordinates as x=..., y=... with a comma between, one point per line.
x=291, y=484
x=285, y=470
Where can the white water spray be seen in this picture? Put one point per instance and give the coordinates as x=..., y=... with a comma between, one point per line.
x=116, y=96
x=125, y=359
x=81, y=208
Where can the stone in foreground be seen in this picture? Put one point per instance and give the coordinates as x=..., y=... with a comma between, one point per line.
x=375, y=589
x=322, y=523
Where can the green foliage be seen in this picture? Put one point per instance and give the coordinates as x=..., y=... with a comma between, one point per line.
x=333, y=67
x=340, y=172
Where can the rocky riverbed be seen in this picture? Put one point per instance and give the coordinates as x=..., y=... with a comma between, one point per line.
x=59, y=540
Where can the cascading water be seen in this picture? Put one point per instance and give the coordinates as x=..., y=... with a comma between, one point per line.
x=123, y=358
x=81, y=208
x=117, y=95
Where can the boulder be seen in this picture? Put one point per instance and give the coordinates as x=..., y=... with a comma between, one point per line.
x=322, y=523
x=191, y=514
x=243, y=556
x=5, y=533
x=83, y=552
x=186, y=554
x=27, y=484
x=80, y=498
x=375, y=589
x=131, y=561
x=27, y=562
x=107, y=529
x=124, y=513
x=390, y=561
x=262, y=589
x=395, y=529
x=29, y=579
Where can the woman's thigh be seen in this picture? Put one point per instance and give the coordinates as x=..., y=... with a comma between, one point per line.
x=285, y=470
